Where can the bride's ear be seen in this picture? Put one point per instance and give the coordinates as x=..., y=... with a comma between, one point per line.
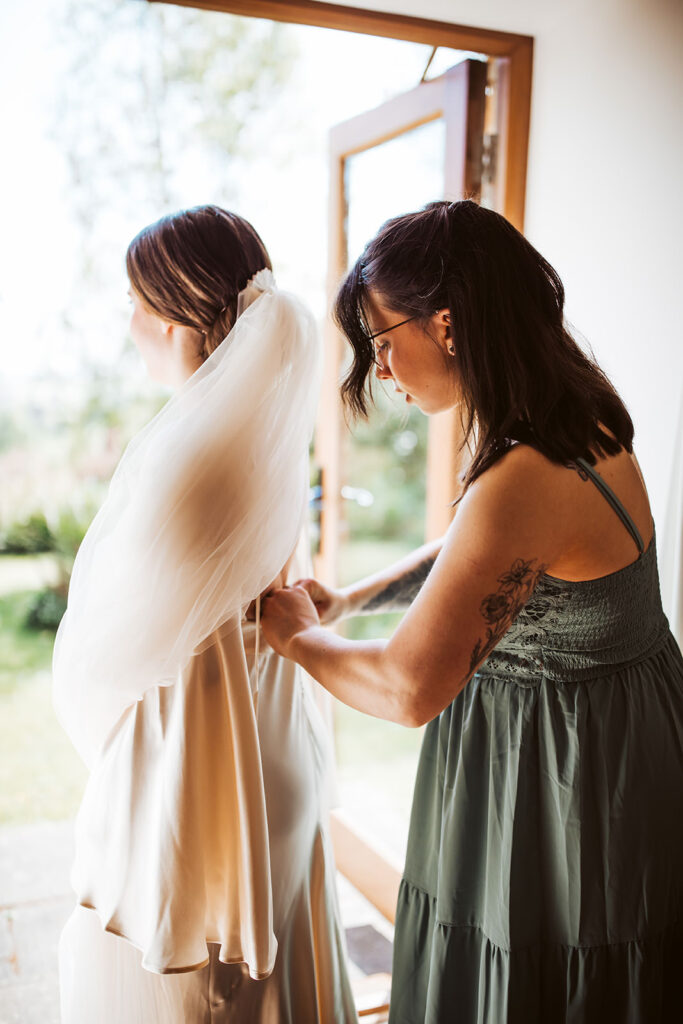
x=175, y=333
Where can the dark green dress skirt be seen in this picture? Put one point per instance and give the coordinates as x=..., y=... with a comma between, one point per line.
x=544, y=873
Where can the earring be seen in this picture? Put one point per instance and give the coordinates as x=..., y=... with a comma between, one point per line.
x=451, y=350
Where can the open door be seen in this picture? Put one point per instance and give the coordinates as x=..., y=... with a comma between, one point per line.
x=438, y=141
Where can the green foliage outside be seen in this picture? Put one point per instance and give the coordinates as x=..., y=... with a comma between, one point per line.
x=27, y=535
x=43, y=609
x=387, y=455
x=70, y=527
x=25, y=651
x=41, y=776
x=46, y=609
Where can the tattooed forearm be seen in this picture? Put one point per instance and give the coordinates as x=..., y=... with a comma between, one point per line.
x=500, y=608
x=398, y=594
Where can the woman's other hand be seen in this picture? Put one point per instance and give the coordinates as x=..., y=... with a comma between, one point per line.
x=330, y=604
x=284, y=614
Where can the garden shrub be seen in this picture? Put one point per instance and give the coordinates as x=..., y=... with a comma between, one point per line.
x=46, y=609
x=27, y=536
x=70, y=527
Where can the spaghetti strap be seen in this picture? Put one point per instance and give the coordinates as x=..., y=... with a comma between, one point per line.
x=589, y=471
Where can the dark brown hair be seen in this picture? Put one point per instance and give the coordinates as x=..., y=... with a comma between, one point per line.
x=521, y=373
x=189, y=267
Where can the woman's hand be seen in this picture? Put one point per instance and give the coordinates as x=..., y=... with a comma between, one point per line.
x=284, y=614
x=331, y=605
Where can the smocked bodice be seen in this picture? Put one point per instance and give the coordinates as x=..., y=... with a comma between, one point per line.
x=577, y=630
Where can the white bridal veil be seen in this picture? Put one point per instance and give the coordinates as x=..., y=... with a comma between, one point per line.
x=203, y=510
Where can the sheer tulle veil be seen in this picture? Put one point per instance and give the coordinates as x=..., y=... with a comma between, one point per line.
x=203, y=510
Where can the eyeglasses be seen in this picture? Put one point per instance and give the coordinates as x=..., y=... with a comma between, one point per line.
x=386, y=330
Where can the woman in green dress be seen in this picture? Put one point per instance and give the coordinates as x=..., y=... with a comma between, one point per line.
x=544, y=872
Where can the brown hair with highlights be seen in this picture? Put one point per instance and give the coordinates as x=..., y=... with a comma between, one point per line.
x=189, y=267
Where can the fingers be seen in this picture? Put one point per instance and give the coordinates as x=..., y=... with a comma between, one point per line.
x=272, y=593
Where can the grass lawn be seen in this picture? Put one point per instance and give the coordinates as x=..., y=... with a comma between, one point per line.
x=41, y=776
x=23, y=651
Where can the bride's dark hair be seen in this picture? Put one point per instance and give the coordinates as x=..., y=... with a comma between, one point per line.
x=521, y=374
x=189, y=267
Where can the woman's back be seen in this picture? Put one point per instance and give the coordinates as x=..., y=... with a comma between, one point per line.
x=595, y=545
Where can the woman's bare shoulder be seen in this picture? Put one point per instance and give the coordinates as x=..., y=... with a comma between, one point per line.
x=525, y=469
x=525, y=492
x=570, y=517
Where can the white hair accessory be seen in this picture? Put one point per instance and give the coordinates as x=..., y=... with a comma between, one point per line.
x=260, y=282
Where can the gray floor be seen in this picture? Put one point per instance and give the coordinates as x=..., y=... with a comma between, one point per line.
x=34, y=904
x=35, y=901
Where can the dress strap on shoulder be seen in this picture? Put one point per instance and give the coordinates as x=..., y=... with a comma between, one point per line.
x=585, y=471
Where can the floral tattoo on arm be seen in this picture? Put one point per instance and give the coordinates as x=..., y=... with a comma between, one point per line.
x=502, y=607
x=399, y=593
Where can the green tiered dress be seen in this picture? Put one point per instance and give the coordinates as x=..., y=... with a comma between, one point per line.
x=544, y=873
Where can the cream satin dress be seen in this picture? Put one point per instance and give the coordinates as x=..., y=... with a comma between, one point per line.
x=162, y=839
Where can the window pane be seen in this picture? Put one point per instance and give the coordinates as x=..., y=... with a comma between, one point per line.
x=396, y=177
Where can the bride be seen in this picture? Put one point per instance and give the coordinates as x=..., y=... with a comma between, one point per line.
x=203, y=874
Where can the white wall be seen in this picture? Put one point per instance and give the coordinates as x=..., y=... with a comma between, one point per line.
x=605, y=202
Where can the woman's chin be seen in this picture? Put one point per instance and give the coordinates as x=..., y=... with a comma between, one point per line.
x=431, y=407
